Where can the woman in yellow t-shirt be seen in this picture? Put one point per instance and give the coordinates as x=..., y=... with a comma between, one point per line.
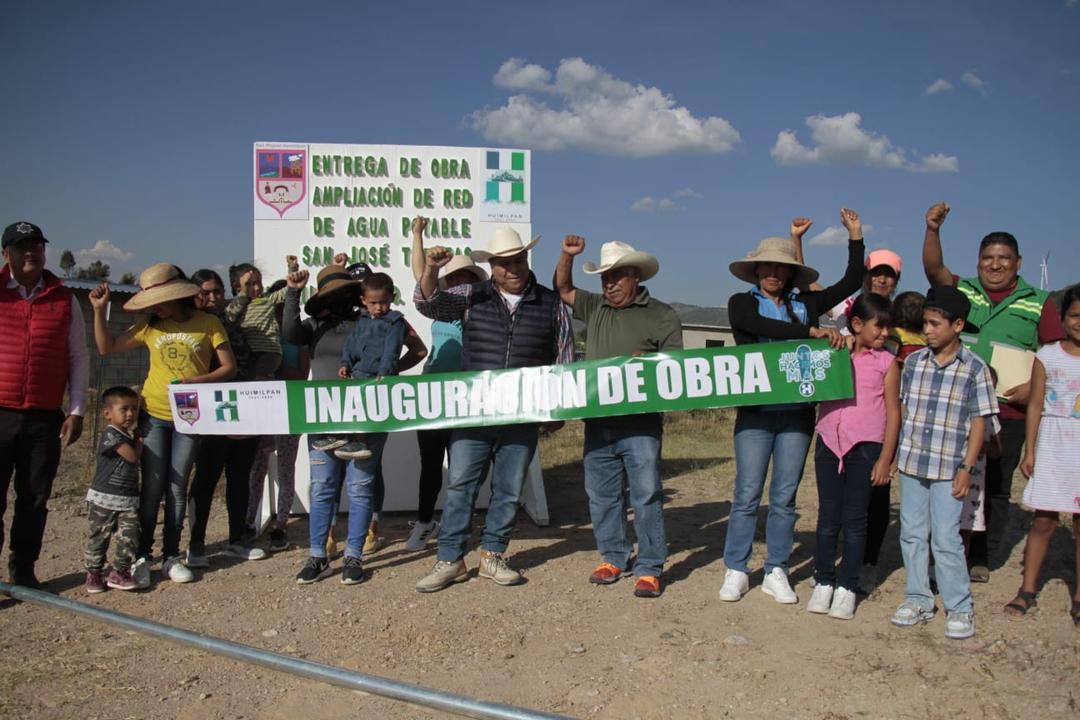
x=182, y=342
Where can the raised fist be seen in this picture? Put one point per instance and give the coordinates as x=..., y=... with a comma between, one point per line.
x=851, y=221
x=99, y=296
x=419, y=224
x=292, y=263
x=800, y=225
x=438, y=256
x=935, y=216
x=297, y=279
x=573, y=245
x=341, y=259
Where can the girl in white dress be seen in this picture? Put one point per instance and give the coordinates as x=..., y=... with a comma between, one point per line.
x=1052, y=452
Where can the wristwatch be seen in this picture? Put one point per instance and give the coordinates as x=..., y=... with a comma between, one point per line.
x=973, y=469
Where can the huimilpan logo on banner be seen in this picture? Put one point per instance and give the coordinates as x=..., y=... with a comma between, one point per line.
x=805, y=367
x=226, y=408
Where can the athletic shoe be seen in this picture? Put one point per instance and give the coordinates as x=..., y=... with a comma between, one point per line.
x=421, y=534
x=493, y=566
x=121, y=580
x=441, y=575
x=197, y=559
x=776, y=584
x=244, y=552
x=354, y=449
x=140, y=573
x=314, y=569
x=820, y=600
x=909, y=614
x=605, y=574
x=177, y=571
x=278, y=540
x=352, y=571
x=326, y=443
x=647, y=586
x=843, y=604
x=94, y=584
x=736, y=584
x=959, y=625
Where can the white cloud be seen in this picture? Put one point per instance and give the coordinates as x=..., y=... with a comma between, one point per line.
x=975, y=82
x=689, y=193
x=839, y=140
x=837, y=235
x=939, y=86
x=597, y=112
x=645, y=204
x=937, y=162
x=652, y=204
x=104, y=251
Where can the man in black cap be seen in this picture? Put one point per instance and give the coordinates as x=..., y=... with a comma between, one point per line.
x=43, y=352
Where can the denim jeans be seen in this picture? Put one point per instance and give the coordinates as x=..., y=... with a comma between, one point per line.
x=843, y=499
x=328, y=473
x=166, y=461
x=929, y=512
x=632, y=451
x=760, y=435
x=509, y=450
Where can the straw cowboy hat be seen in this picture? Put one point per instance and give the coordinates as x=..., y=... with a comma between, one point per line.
x=773, y=250
x=461, y=262
x=332, y=281
x=504, y=243
x=161, y=283
x=616, y=254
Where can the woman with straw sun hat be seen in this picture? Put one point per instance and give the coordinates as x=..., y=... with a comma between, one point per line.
x=183, y=343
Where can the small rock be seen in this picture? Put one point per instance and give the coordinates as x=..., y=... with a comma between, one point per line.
x=577, y=649
x=203, y=696
x=735, y=640
x=630, y=658
x=269, y=633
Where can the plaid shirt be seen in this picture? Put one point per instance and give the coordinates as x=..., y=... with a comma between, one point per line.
x=939, y=402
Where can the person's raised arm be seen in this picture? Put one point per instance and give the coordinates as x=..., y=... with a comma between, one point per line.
x=572, y=245
x=106, y=343
x=933, y=260
x=434, y=259
x=799, y=226
x=416, y=257
x=292, y=329
x=856, y=266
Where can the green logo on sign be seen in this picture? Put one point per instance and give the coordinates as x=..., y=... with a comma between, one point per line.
x=226, y=410
x=805, y=367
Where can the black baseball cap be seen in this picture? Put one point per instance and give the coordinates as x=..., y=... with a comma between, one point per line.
x=18, y=231
x=952, y=301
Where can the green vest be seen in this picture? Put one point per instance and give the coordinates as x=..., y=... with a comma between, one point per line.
x=1013, y=321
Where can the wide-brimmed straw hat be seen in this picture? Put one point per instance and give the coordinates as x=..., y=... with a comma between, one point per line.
x=773, y=250
x=461, y=262
x=161, y=283
x=505, y=242
x=617, y=254
x=330, y=283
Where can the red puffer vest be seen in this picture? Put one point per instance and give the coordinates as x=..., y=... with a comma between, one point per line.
x=34, y=357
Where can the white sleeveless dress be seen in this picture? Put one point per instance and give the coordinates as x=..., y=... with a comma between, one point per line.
x=1055, y=484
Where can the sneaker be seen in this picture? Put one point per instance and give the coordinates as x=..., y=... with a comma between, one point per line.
x=776, y=584
x=736, y=584
x=177, y=571
x=979, y=574
x=373, y=542
x=353, y=450
x=605, y=574
x=441, y=575
x=420, y=535
x=352, y=571
x=909, y=614
x=820, y=600
x=843, y=604
x=94, y=584
x=647, y=586
x=314, y=569
x=493, y=566
x=244, y=552
x=197, y=559
x=140, y=573
x=121, y=580
x=278, y=540
x=326, y=443
x=959, y=625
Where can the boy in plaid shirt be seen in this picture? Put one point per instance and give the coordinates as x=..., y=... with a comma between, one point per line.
x=946, y=396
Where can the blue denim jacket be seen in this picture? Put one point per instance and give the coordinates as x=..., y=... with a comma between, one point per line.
x=374, y=346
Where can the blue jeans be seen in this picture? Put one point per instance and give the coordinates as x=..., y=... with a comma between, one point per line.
x=509, y=450
x=843, y=501
x=631, y=451
x=166, y=461
x=327, y=475
x=760, y=435
x=929, y=512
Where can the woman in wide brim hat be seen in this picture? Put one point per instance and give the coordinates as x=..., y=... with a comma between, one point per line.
x=333, y=286
x=185, y=345
x=778, y=435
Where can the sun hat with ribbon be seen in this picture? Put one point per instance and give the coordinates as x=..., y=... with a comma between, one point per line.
x=161, y=283
x=617, y=254
x=330, y=283
x=461, y=262
x=773, y=250
x=505, y=242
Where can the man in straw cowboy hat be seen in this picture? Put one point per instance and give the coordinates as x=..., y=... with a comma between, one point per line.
x=624, y=320
x=509, y=321
x=44, y=352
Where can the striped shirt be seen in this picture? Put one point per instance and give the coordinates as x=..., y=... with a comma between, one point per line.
x=257, y=321
x=939, y=402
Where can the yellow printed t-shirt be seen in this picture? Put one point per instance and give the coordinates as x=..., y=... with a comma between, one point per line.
x=178, y=350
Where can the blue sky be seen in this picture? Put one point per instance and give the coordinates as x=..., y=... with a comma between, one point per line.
x=128, y=127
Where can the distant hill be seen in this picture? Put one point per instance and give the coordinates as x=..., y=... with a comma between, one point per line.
x=698, y=315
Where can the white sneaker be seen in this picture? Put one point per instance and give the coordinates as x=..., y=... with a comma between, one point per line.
x=244, y=552
x=177, y=570
x=195, y=560
x=140, y=573
x=736, y=584
x=821, y=599
x=421, y=534
x=843, y=604
x=776, y=584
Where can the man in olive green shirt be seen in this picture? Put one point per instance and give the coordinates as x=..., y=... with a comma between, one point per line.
x=624, y=320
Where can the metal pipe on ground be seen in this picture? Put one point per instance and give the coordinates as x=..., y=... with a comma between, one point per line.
x=437, y=699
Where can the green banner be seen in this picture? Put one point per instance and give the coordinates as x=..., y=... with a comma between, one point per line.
x=761, y=374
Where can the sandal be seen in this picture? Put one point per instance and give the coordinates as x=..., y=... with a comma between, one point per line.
x=1018, y=607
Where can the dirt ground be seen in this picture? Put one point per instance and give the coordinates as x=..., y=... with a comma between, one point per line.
x=557, y=643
